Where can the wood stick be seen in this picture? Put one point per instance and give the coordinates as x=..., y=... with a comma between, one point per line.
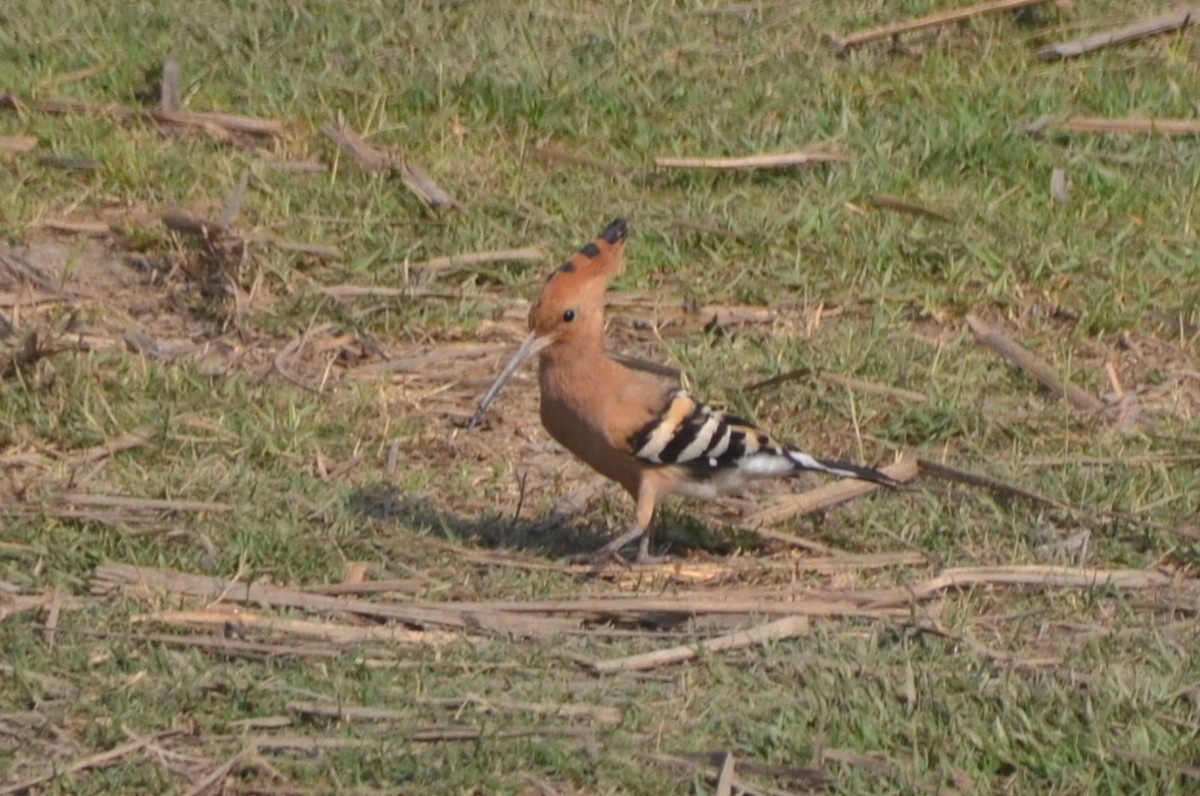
x=415, y=178
x=17, y=144
x=128, y=440
x=848, y=382
x=302, y=628
x=144, y=579
x=235, y=647
x=712, y=773
x=749, y=602
x=426, y=734
x=169, y=93
x=726, y=777
x=951, y=473
x=556, y=156
x=787, y=627
x=1032, y=364
x=480, y=619
x=139, y=504
x=225, y=121
x=1095, y=124
x=930, y=21
x=349, y=141
x=77, y=227
x=426, y=189
x=1153, y=26
x=529, y=253
x=215, y=775
x=90, y=761
x=1046, y=576
x=775, y=161
x=904, y=206
x=828, y=495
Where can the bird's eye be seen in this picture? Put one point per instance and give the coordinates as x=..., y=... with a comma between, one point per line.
x=569, y=316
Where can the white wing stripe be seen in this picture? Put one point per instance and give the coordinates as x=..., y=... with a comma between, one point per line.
x=700, y=441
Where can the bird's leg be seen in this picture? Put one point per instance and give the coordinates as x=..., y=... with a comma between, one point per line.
x=633, y=531
x=647, y=501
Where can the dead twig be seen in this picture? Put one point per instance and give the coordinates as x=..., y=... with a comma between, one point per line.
x=426, y=189
x=951, y=473
x=216, y=775
x=1021, y=357
x=98, y=760
x=828, y=495
x=1044, y=576
x=426, y=734
x=1094, y=124
x=225, y=122
x=773, y=161
x=557, y=156
x=787, y=627
x=234, y=647
x=726, y=777
x=458, y=261
x=712, y=773
x=373, y=159
x=17, y=144
x=476, y=618
x=346, y=635
x=168, y=94
x=1153, y=26
x=127, y=441
x=849, y=382
x=140, y=504
x=930, y=21
x=899, y=205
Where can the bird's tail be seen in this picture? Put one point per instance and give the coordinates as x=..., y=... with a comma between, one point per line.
x=840, y=469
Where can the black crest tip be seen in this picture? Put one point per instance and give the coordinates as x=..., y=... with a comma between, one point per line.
x=615, y=232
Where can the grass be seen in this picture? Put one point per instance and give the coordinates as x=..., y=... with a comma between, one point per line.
x=468, y=91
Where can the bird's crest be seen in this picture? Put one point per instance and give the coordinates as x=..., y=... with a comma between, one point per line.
x=581, y=281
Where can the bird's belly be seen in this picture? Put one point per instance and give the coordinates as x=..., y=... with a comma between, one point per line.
x=708, y=485
x=573, y=431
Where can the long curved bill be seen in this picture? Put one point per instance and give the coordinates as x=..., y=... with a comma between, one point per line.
x=532, y=345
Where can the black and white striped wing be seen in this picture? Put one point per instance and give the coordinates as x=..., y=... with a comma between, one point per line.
x=690, y=434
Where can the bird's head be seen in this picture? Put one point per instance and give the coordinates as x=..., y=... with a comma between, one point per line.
x=570, y=308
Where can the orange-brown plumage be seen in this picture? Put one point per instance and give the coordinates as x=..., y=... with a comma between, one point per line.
x=634, y=428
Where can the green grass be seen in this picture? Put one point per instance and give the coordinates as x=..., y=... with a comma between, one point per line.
x=468, y=91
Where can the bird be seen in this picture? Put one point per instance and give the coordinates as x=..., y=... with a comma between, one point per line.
x=641, y=430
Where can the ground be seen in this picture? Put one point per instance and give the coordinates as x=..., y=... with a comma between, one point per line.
x=250, y=544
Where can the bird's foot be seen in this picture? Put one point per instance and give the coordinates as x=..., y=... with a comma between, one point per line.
x=611, y=552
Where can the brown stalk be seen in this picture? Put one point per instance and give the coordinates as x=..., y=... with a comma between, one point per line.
x=98, y=760
x=787, y=627
x=772, y=161
x=557, y=156
x=1043, y=576
x=828, y=495
x=227, y=122
x=712, y=773
x=930, y=21
x=899, y=205
x=17, y=144
x=373, y=159
x=1034, y=365
x=456, y=261
x=1153, y=26
x=302, y=628
x=1094, y=124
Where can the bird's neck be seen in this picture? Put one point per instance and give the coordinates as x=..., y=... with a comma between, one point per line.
x=578, y=370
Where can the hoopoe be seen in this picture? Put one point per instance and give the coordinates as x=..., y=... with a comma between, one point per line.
x=642, y=431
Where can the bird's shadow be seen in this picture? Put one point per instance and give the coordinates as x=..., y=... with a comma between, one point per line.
x=551, y=536
x=555, y=535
